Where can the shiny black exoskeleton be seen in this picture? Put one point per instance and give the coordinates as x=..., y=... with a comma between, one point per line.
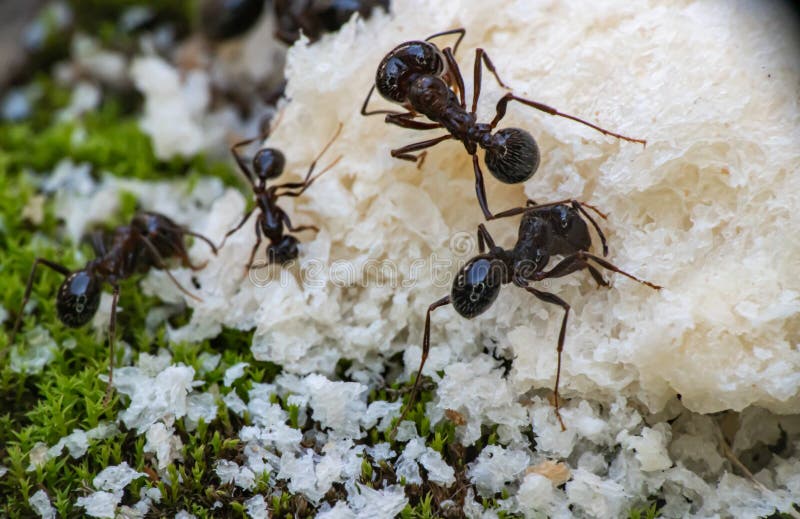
x=272, y=221
x=316, y=17
x=547, y=230
x=225, y=19
x=145, y=243
x=427, y=82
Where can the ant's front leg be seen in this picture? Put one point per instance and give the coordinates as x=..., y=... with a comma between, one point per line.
x=426, y=346
x=61, y=269
x=553, y=299
x=364, y=111
x=484, y=239
x=112, y=329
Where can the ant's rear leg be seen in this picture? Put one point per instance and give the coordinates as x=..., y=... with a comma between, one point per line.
x=405, y=152
x=503, y=103
x=406, y=120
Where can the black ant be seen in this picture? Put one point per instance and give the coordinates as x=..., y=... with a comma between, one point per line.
x=145, y=243
x=267, y=164
x=315, y=17
x=225, y=19
x=424, y=80
x=545, y=230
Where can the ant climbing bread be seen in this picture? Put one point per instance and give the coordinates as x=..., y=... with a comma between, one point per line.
x=147, y=242
x=427, y=82
x=546, y=230
x=268, y=164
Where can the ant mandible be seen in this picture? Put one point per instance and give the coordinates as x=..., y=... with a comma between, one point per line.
x=546, y=230
x=145, y=243
x=424, y=80
x=267, y=164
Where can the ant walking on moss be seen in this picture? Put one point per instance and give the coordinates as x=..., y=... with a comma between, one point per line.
x=424, y=80
x=268, y=164
x=145, y=243
x=546, y=230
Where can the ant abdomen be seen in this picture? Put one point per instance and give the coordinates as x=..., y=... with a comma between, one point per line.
x=477, y=286
x=78, y=299
x=284, y=251
x=405, y=60
x=513, y=155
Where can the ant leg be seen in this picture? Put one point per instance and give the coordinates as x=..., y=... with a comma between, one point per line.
x=452, y=67
x=484, y=239
x=374, y=112
x=61, y=269
x=426, y=346
x=201, y=237
x=579, y=206
x=598, y=278
x=97, y=240
x=243, y=167
x=238, y=226
x=482, y=57
x=547, y=297
x=578, y=261
x=460, y=31
x=406, y=120
x=112, y=329
x=610, y=266
x=501, y=112
x=161, y=264
x=255, y=248
x=288, y=223
x=405, y=152
x=480, y=189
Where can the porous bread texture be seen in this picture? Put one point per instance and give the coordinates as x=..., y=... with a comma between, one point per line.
x=706, y=209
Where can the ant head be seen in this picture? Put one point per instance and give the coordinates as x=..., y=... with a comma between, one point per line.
x=477, y=285
x=268, y=163
x=512, y=155
x=78, y=298
x=405, y=61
